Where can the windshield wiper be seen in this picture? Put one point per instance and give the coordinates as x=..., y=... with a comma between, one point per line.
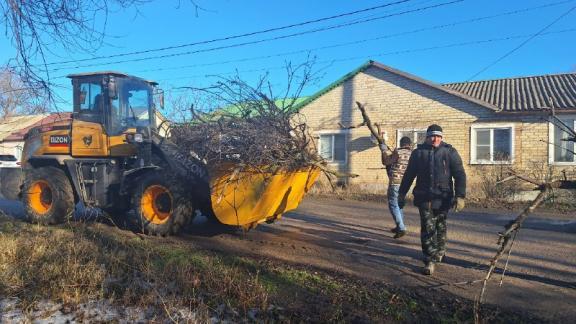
x=133, y=113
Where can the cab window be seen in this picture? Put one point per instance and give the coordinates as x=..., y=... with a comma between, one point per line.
x=138, y=102
x=90, y=98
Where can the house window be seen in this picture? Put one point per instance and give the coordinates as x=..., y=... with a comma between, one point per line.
x=418, y=136
x=563, y=150
x=333, y=147
x=18, y=152
x=492, y=144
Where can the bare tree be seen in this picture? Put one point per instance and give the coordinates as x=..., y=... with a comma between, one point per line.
x=183, y=104
x=34, y=27
x=16, y=98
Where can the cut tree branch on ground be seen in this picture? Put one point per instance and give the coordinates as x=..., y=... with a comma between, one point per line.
x=506, y=238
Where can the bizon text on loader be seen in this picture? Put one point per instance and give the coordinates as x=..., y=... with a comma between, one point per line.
x=112, y=156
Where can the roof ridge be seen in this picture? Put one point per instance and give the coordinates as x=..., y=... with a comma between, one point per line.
x=512, y=78
x=372, y=63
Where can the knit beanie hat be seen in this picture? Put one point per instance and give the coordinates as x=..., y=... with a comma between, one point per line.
x=405, y=141
x=434, y=130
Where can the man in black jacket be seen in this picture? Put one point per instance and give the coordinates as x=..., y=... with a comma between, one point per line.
x=434, y=164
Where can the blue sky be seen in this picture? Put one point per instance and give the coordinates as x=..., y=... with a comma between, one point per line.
x=452, y=53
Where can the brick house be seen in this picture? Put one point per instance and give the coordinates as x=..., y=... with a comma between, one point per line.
x=490, y=123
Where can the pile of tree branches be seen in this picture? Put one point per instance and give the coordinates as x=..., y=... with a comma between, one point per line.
x=253, y=128
x=269, y=142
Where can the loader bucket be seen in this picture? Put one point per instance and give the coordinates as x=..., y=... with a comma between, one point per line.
x=248, y=197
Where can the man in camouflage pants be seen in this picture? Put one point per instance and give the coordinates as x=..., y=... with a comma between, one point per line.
x=434, y=164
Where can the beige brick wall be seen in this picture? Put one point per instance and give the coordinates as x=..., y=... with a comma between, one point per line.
x=396, y=103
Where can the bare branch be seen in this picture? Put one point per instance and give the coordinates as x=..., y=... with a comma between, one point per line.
x=253, y=127
x=369, y=124
x=35, y=27
x=507, y=237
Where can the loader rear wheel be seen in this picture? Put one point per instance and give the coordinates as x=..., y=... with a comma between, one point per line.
x=47, y=196
x=162, y=206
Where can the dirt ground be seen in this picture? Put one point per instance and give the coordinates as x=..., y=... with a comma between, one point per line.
x=353, y=237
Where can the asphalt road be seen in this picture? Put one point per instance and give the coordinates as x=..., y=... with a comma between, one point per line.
x=353, y=237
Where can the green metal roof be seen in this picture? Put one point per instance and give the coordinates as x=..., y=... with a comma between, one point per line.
x=234, y=109
x=333, y=85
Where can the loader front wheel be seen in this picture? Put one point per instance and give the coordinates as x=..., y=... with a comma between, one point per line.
x=47, y=196
x=162, y=206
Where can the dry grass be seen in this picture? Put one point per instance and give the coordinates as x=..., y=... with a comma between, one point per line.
x=77, y=263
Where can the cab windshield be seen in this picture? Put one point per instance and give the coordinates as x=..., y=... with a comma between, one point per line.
x=132, y=106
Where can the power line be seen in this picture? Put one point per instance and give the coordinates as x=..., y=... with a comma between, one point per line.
x=422, y=49
x=235, y=36
x=521, y=44
x=414, y=31
x=264, y=40
x=404, y=51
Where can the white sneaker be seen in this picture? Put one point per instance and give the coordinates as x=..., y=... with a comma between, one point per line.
x=428, y=268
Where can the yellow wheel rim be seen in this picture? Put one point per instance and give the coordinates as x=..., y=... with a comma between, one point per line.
x=156, y=204
x=40, y=197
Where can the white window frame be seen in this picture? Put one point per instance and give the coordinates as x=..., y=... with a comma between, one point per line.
x=18, y=152
x=413, y=130
x=492, y=127
x=552, y=147
x=335, y=132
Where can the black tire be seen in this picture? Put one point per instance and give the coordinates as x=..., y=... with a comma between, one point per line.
x=47, y=196
x=162, y=205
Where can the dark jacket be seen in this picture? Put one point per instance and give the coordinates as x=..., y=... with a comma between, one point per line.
x=434, y=169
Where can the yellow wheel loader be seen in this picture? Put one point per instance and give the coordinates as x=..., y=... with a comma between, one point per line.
x=111, y=155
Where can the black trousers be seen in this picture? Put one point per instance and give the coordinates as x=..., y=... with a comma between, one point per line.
x=432, y=232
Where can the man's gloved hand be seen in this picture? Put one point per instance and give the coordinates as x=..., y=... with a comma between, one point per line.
x=383, y=147
x=401, y=201
x=459, y=204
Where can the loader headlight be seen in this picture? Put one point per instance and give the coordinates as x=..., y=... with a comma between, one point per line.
x=135, y=138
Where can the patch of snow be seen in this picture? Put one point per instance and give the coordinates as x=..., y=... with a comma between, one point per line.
x=92, y=311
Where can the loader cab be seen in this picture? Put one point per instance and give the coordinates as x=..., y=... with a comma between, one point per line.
x=116, y=101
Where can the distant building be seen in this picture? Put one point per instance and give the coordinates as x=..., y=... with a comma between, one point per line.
x=13, y=144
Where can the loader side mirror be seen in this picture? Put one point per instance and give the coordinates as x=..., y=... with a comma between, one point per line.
x=159, y=97
x=112, y=88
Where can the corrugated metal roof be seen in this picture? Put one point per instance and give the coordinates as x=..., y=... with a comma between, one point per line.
x=13, y=124
x=524, y=94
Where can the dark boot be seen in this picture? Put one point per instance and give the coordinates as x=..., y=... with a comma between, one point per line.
x=399, y=234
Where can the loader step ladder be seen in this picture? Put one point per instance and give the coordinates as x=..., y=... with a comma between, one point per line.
x=83, y=182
